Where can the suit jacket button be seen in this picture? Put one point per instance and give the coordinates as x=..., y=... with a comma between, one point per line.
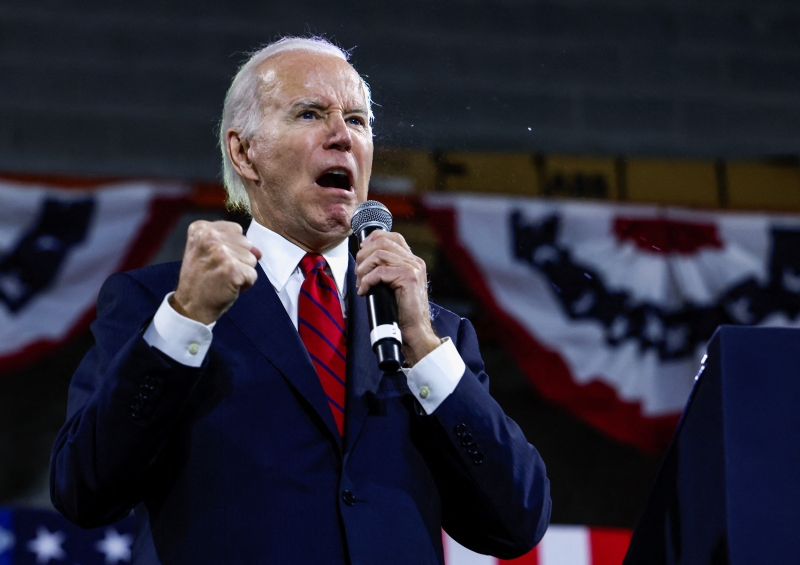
x=477, y=458
x=461, y=429
x=348, y=497
x=466, y=440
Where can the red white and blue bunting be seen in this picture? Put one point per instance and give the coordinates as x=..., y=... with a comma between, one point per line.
x=608, y=307
x=36, y=537
x=29, y=537
x=58, y=245
x=561, y=545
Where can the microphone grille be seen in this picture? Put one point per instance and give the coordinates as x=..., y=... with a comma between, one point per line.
x=371, y=212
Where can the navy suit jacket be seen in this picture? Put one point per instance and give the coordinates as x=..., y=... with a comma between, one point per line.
x=239, y=461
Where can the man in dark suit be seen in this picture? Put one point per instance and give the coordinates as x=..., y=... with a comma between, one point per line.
x=243, y=416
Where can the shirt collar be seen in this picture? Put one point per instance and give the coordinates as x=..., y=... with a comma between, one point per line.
x=280, y=257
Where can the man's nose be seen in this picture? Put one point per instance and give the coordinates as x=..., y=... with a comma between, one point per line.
x=339, y=137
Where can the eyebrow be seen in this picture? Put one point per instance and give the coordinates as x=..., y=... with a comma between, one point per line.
x=312, y=104
x=317, y=105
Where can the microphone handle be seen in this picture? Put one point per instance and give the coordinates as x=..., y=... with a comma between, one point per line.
x=382, y=312
x=382, y=309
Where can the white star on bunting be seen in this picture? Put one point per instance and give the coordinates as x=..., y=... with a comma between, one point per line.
x=7, y=540
x=115, y=547
x=47, y=545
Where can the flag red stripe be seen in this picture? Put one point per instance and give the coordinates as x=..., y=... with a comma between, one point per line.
x=661, y=235
x=609, y=545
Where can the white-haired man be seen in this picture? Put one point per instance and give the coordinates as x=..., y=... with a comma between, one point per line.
x=243, y=416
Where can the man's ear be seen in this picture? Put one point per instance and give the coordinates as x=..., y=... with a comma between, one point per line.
x=239, y=152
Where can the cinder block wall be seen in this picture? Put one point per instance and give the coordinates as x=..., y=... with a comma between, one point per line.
x=135, y=88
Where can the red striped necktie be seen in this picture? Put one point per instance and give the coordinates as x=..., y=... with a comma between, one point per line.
x=321, y=326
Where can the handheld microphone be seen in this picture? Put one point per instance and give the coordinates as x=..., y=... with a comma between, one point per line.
x=384, y=333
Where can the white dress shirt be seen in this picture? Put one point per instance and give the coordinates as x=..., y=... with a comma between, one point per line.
x=187, y=341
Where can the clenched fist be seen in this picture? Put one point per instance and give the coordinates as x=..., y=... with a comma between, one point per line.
x=219, y=262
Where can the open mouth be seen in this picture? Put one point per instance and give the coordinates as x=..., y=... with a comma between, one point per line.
x=335, y=178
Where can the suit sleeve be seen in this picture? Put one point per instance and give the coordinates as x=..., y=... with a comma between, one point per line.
x=494, y=486
x=125, y=401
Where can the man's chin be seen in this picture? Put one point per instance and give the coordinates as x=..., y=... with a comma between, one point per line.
x=332, y=232
x=339, y=232
x=337, y=218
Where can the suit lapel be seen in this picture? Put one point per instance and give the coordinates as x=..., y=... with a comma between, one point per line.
x=260, y=315
x=363, y=374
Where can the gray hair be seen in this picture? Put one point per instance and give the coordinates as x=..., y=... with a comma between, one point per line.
x=242, y=108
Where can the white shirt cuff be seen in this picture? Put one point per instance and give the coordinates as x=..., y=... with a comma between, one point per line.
x=181, y=338
x=436, y=375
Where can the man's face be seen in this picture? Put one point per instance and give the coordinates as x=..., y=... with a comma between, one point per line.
x=312, y=155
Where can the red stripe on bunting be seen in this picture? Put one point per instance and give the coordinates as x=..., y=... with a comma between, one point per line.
x=661, y=235
x=609, y=545
x=561, y=545
x=36, y=351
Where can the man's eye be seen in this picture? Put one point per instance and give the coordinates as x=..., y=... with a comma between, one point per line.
x=307, y=116
x=356, y=121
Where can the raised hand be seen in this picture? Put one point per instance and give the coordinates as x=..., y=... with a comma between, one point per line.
x=219, y=262
x=386, y=257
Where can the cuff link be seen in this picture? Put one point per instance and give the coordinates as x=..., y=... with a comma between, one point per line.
x=194, y=348
x=424, y=392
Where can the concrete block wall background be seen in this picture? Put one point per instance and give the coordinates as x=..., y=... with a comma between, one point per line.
x=135, y=88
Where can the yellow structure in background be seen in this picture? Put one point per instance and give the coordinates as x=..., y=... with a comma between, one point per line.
x=578, y=177
x=763, y=186
x=682, y=183
x=742, y=185
x=503, y=173
x=416, y=166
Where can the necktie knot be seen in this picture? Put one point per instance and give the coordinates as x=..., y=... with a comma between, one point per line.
x=311, y=263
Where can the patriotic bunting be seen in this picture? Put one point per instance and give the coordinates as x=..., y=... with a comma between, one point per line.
x=39, y=537
x=42, y=537
x=608, y=307
x=561, y=545
x=58, y=245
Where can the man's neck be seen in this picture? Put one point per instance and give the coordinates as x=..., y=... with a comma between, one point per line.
x=309, y=245
x=280, y=257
